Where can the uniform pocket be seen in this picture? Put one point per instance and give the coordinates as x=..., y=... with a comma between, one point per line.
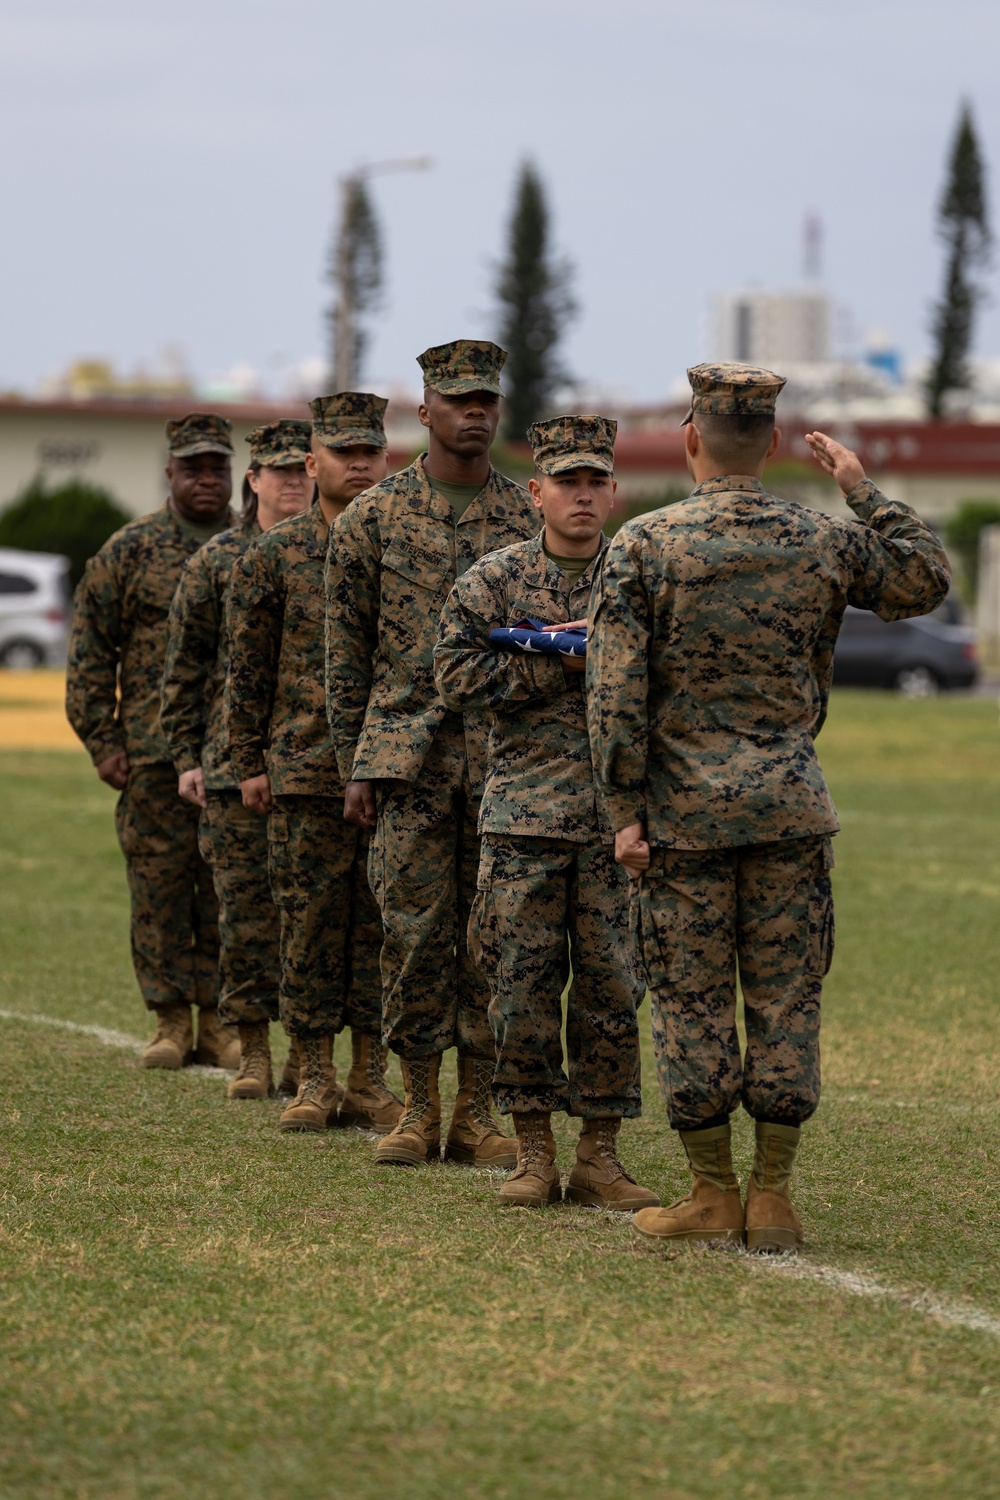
x=414, y=588
x=656, y=966
x=152, y=595
x=376, y=850
x=206, y=842
x=242, y=816
x=151, y=820
x=425, y=570
x=820, y=943
x=122, y=822
x=484, y=947
x=658, y=945
x=277, y=854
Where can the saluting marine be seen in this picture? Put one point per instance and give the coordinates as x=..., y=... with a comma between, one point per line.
x=414, y=767
x=118, y=645
x=283, y=757
x=233, y=839
x=552, y=903
x=710, y=658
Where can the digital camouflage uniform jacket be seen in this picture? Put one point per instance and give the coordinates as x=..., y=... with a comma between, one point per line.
x=275, y=701
x=120, y=638
x=710, y=655
x=394, y=555
x=539, y=777
x=194, y=674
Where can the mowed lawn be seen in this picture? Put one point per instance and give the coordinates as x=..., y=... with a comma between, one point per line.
x=193, y=1305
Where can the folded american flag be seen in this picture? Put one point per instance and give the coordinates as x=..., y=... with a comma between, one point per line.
x=530, y=635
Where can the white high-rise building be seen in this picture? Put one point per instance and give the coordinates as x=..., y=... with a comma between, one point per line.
x=773, y=328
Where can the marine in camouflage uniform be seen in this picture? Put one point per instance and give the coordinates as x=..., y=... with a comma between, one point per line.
x=711, y=653
x=118, y=645
x=552, y=903
x=331, y=933
x=394, y=555
x=232, y=838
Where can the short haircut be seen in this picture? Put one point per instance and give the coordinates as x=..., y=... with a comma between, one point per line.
x=737, y=441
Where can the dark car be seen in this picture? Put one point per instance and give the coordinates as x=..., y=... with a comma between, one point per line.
x=917, y=657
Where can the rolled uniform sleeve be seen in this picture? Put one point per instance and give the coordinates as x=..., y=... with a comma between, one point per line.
x=618, y=682
x=93, y=659
x=470, y=674
x=901, y=567
x=254, y=617
x=353, y=564
x=192, y=650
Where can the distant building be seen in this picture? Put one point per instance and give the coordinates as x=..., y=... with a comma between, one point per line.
x=97, y=380
x=772, y=328
x=120, y=444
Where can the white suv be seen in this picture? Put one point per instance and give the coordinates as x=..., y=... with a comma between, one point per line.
x=35, y=607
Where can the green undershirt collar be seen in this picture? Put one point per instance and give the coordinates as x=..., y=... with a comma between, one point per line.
x=202, y=533
x=573, y=567
x=459, y=496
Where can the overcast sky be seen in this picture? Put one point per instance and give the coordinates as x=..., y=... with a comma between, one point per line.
x=169, y=173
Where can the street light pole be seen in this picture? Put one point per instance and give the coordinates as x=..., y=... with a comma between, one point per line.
x=345, y=312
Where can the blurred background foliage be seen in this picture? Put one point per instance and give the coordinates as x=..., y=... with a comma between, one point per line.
x=74, y=519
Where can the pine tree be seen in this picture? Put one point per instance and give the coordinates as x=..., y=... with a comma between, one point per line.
x=963, y=224
x=532, y=290
x=356, y=272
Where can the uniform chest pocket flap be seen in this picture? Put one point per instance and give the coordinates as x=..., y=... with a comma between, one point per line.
x=150, y=597
x=425, y=569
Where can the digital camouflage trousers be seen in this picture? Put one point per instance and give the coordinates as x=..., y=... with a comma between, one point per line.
x=547, y=909
x=175, y=915
x=331, y=933
x=766, y=910
x=233, y=841
x=423, y=864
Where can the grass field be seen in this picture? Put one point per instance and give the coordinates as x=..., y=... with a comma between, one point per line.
x=192, y=1305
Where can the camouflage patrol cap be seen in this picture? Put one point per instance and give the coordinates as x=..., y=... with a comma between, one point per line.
x=349, y=417
x=733, y=390
x=200, y=432
x=279, y=445
x=565, y=443
x=463, y=366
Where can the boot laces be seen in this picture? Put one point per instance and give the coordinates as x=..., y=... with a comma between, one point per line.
x=375, y=1072
x=311, y=1066
x=534, y=1146
x=418, y=1091
x=482, y=1098
x=607, y=1137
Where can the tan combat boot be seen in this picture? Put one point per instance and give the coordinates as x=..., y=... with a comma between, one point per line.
x=218, y=1044
x=534, y=1182
x=173, y=1044
x=773, y=1226
x=712, y=1212
x=475, y=1138
x=598, y=1177
x=318, y=1099
x=416, y=1135
x=253, y=1076
x=368, y=1102
x=288, y=1083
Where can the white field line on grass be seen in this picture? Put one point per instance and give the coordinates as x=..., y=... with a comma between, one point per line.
x=856, y=1283
x=105, y=1034
x=860, y=1285
x=939, y=1106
